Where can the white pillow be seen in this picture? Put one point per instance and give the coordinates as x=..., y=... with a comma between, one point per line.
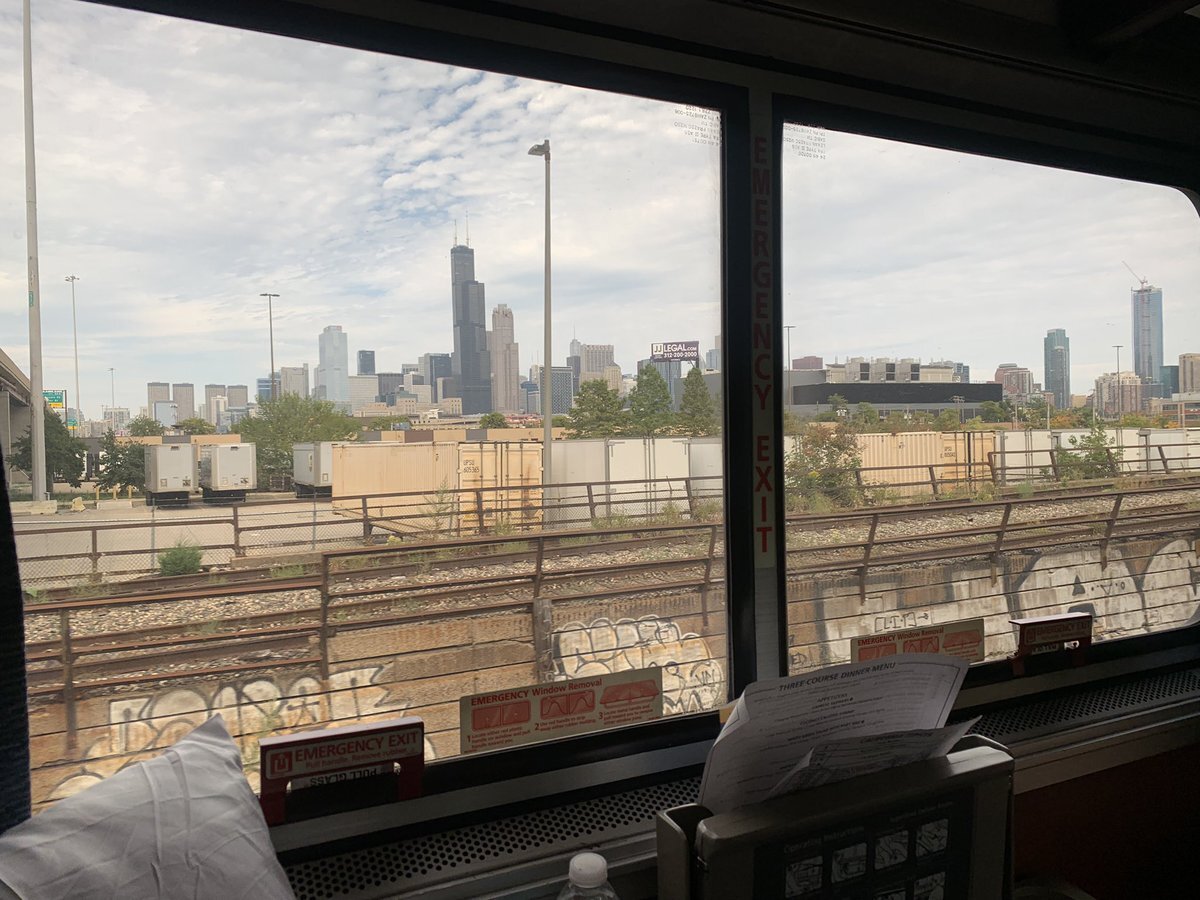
x=184, y=824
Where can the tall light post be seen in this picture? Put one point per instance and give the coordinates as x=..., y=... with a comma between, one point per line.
x=543, y=149
x=1118, y=347
x=112, y=401
x=787, y=369
x=37, y=404
x=271, y=333
x=75, y=334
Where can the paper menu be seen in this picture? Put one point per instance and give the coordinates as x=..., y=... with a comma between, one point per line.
x=778, y=721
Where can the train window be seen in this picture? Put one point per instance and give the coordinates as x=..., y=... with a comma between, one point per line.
x=990, y=367
x=297, y=475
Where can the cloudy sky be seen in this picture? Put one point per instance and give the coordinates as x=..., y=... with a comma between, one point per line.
x=183, y=169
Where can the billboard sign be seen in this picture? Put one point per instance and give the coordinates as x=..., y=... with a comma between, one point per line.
x=671, y=350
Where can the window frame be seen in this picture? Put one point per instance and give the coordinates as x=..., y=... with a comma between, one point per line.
x=604, y=58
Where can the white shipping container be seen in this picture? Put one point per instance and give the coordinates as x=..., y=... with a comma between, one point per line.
x=228, y=467
x=170, y=468
x=312, y=464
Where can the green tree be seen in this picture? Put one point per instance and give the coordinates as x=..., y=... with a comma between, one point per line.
x=792, y=423
x=821, y=468
x=991, y=411
x=1095, y=455
x=697, y=412
x=386, y=423
x=195, y=426
x=65, y=454
x=865, y=418
x=597, y=412
x=493, y=420
x=122, y=464
x=144, y=426
x=837, y=403
x=650, y=405
x=947, y=420
x=287, y=420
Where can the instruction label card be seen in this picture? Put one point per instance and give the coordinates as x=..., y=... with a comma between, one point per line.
x=509, y=718
x=961, y=639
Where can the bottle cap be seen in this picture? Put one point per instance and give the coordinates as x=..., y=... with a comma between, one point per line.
x=588, y=870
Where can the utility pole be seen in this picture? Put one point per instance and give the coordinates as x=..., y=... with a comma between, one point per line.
x=1118, y=347
x=271, y=333
x=37, y=404
x=75, y=334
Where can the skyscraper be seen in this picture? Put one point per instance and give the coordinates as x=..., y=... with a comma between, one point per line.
x=293, y=380
x=238, y=395
x=1056, y=347
x=333, y=373
x=434, y=367
x=1145, y=305
x=1189, y=372
x=471, y=367
x=211, y=392
x=366, y=362
x=506, y=368
x=156, y=392
x=184, y=398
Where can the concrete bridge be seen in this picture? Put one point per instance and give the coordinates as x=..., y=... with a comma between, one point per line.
x=14, y=408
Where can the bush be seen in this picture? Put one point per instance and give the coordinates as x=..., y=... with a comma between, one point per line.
x=182, y=559
x=822, y=469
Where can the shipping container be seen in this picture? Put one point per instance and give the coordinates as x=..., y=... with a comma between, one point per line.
x=647, y=477
x=501, y=486
x=227, y=471
x=368, y=477
x=170, y=474
x=706, y=466
x=312, y=469
x=200, y=439
x=579, y=471
x=1171, y=450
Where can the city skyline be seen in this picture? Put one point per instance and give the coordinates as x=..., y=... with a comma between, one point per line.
x=344, y=206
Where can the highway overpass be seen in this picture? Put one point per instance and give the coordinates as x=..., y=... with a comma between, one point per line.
x=14, y=409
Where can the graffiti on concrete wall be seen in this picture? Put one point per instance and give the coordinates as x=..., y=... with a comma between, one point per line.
x=693, y=679
x=143, y=725
x=1142, y=586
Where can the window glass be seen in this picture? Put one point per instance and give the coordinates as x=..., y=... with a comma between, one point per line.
x=268, y=243
x=991, y=398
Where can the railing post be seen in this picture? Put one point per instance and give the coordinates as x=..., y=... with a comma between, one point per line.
x=480, y=528
x=95, y=554
x=1108, y=530
x=237, y=531
x=591, y=494
x=1000, y=540
x=991, y=464
x=1162, y=455
x=323, y=635
x=68, y=664
x=543, y=618
x=366, y=520
x=687, y=489
x=933, y=481
x=1053, y=451
x=708, y=565
x=866, y=560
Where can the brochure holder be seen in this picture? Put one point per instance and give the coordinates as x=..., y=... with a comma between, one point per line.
x=934, y=829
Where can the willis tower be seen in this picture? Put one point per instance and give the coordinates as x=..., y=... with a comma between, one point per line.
x=470, y=364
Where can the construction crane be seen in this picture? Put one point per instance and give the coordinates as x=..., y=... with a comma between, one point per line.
x=1144, y=282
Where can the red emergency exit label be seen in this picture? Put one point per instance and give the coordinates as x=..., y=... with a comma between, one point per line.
x=316, y=758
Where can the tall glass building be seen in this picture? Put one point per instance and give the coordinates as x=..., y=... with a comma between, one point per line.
x=470, y=361
x=1057, y=350
x=1147, y=317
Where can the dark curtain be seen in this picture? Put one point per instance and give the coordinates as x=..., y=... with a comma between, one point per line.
x=14, y=713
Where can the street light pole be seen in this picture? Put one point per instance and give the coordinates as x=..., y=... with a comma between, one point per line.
x=787, y=369
x=75, y=334
x=112, y=401
x=37, y=404
x=543, y=149
x=1118, y=347
x=271, y=333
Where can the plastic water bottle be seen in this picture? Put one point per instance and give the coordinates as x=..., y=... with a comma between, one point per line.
x=588, y=879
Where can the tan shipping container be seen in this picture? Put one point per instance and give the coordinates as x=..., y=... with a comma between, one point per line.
x=900, y=459
x=200, y=439
x=500, y=483
x=425, y=474
x=964, y=462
